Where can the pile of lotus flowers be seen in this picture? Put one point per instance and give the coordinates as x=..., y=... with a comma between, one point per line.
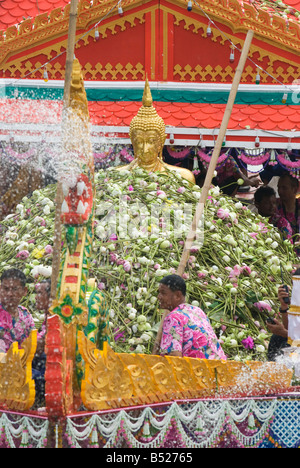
x=141, y=222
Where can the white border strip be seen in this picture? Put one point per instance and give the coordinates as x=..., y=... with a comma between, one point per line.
x=153, y=85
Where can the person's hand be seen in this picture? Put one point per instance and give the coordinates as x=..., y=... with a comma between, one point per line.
x=253, y=182
x=155, y=349
x=281, y=295
x=277, y=328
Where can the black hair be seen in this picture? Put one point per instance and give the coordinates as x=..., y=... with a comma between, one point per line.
x=262, y=192
x=175, y=283
x=48, y=283
x=14, y=273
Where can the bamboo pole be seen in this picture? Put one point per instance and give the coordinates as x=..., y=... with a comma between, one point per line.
x=59, y=191
x=216, y=153
x=210, y=172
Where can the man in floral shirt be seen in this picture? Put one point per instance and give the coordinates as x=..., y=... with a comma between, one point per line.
x=186, y=329
x=16, y=322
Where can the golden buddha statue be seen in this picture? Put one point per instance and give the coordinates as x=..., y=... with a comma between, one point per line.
x=147, y=134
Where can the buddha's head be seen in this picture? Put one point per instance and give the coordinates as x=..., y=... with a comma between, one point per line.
x=147, y=132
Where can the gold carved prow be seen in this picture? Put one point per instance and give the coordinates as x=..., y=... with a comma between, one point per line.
x=115, y=380
x=148, y=135
x=17, y=388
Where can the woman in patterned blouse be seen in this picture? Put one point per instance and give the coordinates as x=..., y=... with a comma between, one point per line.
x=186, y=329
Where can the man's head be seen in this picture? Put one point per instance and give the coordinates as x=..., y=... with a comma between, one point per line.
x=172, y=291
x=12, y=289
x=265, y=201
x=287, y=188
x=43, y=292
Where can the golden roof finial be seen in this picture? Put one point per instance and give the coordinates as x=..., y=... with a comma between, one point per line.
x=147, y=96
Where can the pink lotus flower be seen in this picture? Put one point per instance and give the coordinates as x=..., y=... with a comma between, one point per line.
x=192, y=259
x=48, y=250
x=200, y=274
x=222, y=214
x=23, y=254
x=127, y=266
x=161, y=194
x=263, y=305
x=113, y=257
x=181, y=190
x=236, y=271
x=248, y=343
x=263, y=227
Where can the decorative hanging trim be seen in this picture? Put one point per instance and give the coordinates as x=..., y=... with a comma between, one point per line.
x=119, y=154
x=218, y=423
x=254, y=160
x=20, y=158
x=179, y=154
x=19, y=431
x=206, y=157
x=284, y=161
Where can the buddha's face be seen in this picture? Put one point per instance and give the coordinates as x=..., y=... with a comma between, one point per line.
x=146, y=146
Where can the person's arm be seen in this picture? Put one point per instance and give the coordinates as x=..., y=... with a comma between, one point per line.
x=282, y=294
x=278, y=329
x=156, y=345
x=175, y=353
x=172, y=336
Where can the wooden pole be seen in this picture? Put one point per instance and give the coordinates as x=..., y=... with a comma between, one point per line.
x=59, y=192
x=216, y=153
x=210, y=172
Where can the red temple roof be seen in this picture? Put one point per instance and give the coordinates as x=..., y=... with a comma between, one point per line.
x=176, y=114
x=274, y=124
x=14, y=11
x=269, y=118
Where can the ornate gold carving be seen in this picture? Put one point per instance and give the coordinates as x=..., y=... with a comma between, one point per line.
x=109, y=72
x=117, y=380
x=105, y=377
x=226, y=11
x=17, y=388
x=212, y=74
x=143, y=383
x=207, y=74
x=41, y=21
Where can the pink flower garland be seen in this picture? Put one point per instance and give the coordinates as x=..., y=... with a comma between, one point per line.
x=21, y=157
x=179, y=154
x=286, y=162
x=207, y=157
x=253, y=160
